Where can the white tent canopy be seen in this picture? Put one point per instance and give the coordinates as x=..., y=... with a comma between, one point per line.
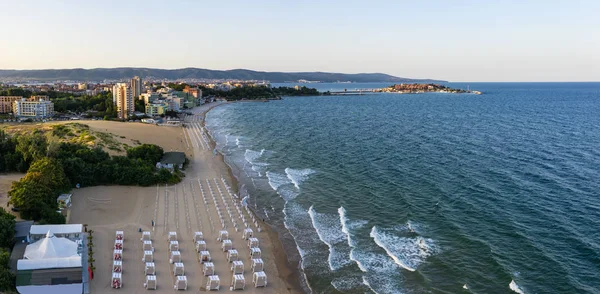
x=51, y=247
x=57, y=229
x=27, y=264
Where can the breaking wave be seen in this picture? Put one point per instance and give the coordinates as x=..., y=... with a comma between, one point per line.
x=297, y=176
x=330, y=232
x=513, y=286
x=276, y=180
x=406, y=252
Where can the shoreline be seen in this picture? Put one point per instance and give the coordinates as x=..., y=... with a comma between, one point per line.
x=294, y=277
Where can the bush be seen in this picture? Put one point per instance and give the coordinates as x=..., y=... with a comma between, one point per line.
x=7, y=280
x=147, y=152
x=50, y=216
x=60, y=131
x=4, y=257
x=7, y=229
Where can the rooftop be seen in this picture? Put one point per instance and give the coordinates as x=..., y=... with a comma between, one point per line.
x=173, y=158
x=56, y=229
x=22, y=229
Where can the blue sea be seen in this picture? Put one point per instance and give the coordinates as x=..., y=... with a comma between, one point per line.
x=427, y=193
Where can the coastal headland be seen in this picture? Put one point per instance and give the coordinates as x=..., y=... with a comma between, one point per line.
x=414, y=88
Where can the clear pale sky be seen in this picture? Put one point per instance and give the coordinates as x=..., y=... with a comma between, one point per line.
x=454, y=40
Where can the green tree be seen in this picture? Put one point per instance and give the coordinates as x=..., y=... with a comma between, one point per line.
x=140, y=105
x=30, y=197
x=4, y=256
x=7, y=281
x=7, y=229
x=177, y=87
x=35, y=193
x=49, y=172
x=50, y=216
x=147, y=152
x=32, y=146
x=10, y=158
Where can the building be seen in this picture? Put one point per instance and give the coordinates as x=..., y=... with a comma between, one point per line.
x=156, y=108
x=175, y=103
x=34, y=107
x=72, y=232
x=64, y=201
x=149, y=97
x=6, y=103
x=22, y=229
x=196, y=92
x=170, y=160
x=52, y=264
x=38, y=98
x=82, y=86
x=136, y=87
x=123, y=99
x=165, y=90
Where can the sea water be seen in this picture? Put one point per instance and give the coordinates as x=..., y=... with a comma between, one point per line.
x=418, y=193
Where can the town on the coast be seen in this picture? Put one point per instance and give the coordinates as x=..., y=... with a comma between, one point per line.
x=97, y=196
x=103, y=175
x=155, y=101
x=152, y=101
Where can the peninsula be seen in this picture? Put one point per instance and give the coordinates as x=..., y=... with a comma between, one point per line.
x=423, y=88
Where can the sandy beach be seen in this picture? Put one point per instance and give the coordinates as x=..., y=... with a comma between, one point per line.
x=190, y=206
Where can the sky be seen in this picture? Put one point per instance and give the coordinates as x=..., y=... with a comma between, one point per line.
x=444, y=39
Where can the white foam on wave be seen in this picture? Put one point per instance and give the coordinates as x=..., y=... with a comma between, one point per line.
x=297, y=176
x=295, y=221
x=277, y=180
x=513, y=286
x=406, y=252
x=366, y=283
x=409, y=228
x=287, y=193
x=252, y=156
x=346, y=283
x=347, y=225
x=380, y=274
x=344, y=223
x=330, y=232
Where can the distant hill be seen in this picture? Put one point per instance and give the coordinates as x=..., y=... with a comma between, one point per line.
x=99, y=74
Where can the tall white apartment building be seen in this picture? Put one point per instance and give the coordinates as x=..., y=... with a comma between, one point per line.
x=34, y=107
x=123, y=99
x=136, y=87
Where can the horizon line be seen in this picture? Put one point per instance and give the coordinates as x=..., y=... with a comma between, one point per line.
x=316, y=71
